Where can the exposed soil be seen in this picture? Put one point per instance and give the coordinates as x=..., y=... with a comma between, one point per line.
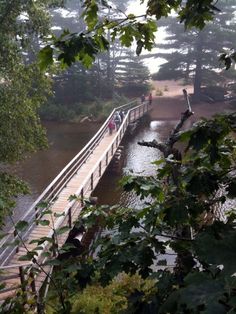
x=172, y=103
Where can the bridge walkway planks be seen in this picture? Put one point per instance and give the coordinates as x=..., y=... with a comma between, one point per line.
x=85, y=179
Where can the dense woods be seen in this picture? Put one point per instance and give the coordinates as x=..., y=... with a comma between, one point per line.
x=192, y=55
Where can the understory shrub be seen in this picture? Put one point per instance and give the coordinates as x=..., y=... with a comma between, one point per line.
x=115, y=297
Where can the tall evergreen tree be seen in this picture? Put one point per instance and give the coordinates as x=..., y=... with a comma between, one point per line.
x=132, y=75
x=194, y=54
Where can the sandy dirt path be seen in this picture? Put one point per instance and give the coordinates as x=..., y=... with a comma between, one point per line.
x=172, y=103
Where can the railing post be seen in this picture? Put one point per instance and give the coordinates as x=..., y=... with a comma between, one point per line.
x=100, y=169
x=82, y=197
x=32, y=284
x=52, y=189
x=139, y=112
x=22, y=278
x=15, y=235
x=117, y=140
x=112, y=149
x=36, y=213
x=106, y=158
x=134, y=114
x=91, y=181
x=143, y=110
x=69, y=218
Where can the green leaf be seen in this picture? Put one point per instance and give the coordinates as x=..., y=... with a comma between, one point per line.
x=43, y=222
x=54, y=262
x=62, y=230
x=28, y=257
x=217, y=246
x=42, y=240
x=73, y=197
x=45, y=57
x=21, y=225
x=139, y=47
x=46, y=254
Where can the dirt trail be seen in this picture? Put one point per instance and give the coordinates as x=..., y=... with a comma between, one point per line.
x=172, y=103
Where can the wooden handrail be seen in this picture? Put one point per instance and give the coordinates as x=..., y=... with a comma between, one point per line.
x=76, y=158
x=67, y=173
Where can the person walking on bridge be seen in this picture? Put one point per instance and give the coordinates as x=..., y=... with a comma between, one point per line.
x=142, y=98
x=111, y=126
x=117, y=120
x=122, y=115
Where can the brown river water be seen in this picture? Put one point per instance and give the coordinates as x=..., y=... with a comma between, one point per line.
x=67, y=139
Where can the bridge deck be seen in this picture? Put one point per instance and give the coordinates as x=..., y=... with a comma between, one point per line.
x=81, y=183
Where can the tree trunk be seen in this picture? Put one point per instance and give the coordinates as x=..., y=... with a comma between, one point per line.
x=198, y=69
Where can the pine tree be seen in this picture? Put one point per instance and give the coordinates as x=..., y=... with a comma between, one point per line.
x=132, y=75
x=194, y=54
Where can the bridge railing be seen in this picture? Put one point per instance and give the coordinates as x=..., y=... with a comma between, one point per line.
x=73, y=209
x=55, y=187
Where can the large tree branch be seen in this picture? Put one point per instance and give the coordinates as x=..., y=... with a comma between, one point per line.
x=167, y=147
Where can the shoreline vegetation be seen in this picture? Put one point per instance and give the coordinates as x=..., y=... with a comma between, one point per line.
x=94, y=111
x=98, y=109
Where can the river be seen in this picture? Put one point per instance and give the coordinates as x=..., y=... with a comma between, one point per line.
x=67, y=139
x=137, y=160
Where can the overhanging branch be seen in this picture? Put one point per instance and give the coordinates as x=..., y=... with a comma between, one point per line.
x=167, y=147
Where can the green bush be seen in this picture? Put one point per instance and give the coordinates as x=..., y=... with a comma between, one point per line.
x=56, y=112
x=113, y=298
x=98, y=109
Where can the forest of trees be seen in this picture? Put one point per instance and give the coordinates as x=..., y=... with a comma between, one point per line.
x=189, y=210
x=193, y=55
x=77, y=86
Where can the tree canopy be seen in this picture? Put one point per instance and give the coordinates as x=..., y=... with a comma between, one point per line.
x=23, y=86
x=84, y=46
x=193, y=54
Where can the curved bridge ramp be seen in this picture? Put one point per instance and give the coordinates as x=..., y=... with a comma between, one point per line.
x=79, y=178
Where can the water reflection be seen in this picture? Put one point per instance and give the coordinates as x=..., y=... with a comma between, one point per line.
x=67, y=139
x=138, y=161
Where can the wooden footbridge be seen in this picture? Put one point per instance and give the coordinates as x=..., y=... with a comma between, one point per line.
x=79, y=177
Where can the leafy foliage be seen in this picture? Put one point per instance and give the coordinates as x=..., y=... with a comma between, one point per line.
x=23, y=87
x=185, y=217
x=193, y=55
x=118, y=296
x=10, y=187
x=84, y=46
x=181, y=218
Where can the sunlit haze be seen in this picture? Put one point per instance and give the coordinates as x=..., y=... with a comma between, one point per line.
x=153, y=63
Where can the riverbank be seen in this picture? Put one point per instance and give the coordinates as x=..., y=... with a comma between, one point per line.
x=172, y=103
x=95, y=111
